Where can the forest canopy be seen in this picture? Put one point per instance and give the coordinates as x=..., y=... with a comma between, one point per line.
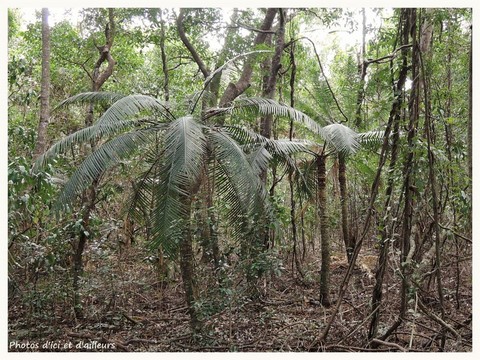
x=240, y=179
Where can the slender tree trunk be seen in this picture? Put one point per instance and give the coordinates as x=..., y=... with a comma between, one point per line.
x=89, y=196
x=269, y=91
x=222, y=58
x=425, y=57
x=166, y=90
x=186, y=267
x=470, y=110
x=290, y=174
x=41, y=144
x=270, y=82
x=324, y=231
x=362, y=72
x=386, y=230
x=89, y=205
x=348, y=238
x=408, y=173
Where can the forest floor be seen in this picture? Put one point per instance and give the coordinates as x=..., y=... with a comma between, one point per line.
x=128, y=310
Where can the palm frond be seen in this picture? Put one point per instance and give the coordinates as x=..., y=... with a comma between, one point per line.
x=185, y=149
x=256, y=105
x=341, y=138
x=280, y=147
x=238, y=182
x=259, y=159
x=103, y=158
x=91, y=133
x=88, y=97
x=131, y=105
x=371, y=138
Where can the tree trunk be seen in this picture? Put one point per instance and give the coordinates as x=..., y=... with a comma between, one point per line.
x=425, y=57
x=45, y=88
x=324, y=231
x=362, y=72
x=409, y=166
x=234, y=90
x=470, y=110
x=166, y=90
x=98, y=79
x=290, y=173
x=386, y=233
x=186, y=267
x=269, y=90
x=88, y=206
x=342, y=179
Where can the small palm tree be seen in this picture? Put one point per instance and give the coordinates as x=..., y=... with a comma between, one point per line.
x=180, y=144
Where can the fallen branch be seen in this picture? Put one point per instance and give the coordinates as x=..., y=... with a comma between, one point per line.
x=386, y=343
x=438, y=320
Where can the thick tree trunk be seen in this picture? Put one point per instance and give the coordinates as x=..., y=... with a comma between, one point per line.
x=324, y=231
x=41, y=144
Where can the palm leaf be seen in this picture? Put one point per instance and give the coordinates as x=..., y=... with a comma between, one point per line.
x=341, y=138
x=185, y=149
x=103, y=158
x=91, y=133
x=131, y=105
x=255, y=105
x=371, y=138
x=88, y=97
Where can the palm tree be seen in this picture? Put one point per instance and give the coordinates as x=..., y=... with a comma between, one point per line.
x=339, y=140
x=181, y=145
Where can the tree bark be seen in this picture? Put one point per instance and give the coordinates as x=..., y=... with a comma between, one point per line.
x=41, y=143
x=425, y=56
x=362, y=72
x=348, y=238
x=290, y=173
x=324, y=231
x=186, y=266
x=166, y=90
x=470, y=110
